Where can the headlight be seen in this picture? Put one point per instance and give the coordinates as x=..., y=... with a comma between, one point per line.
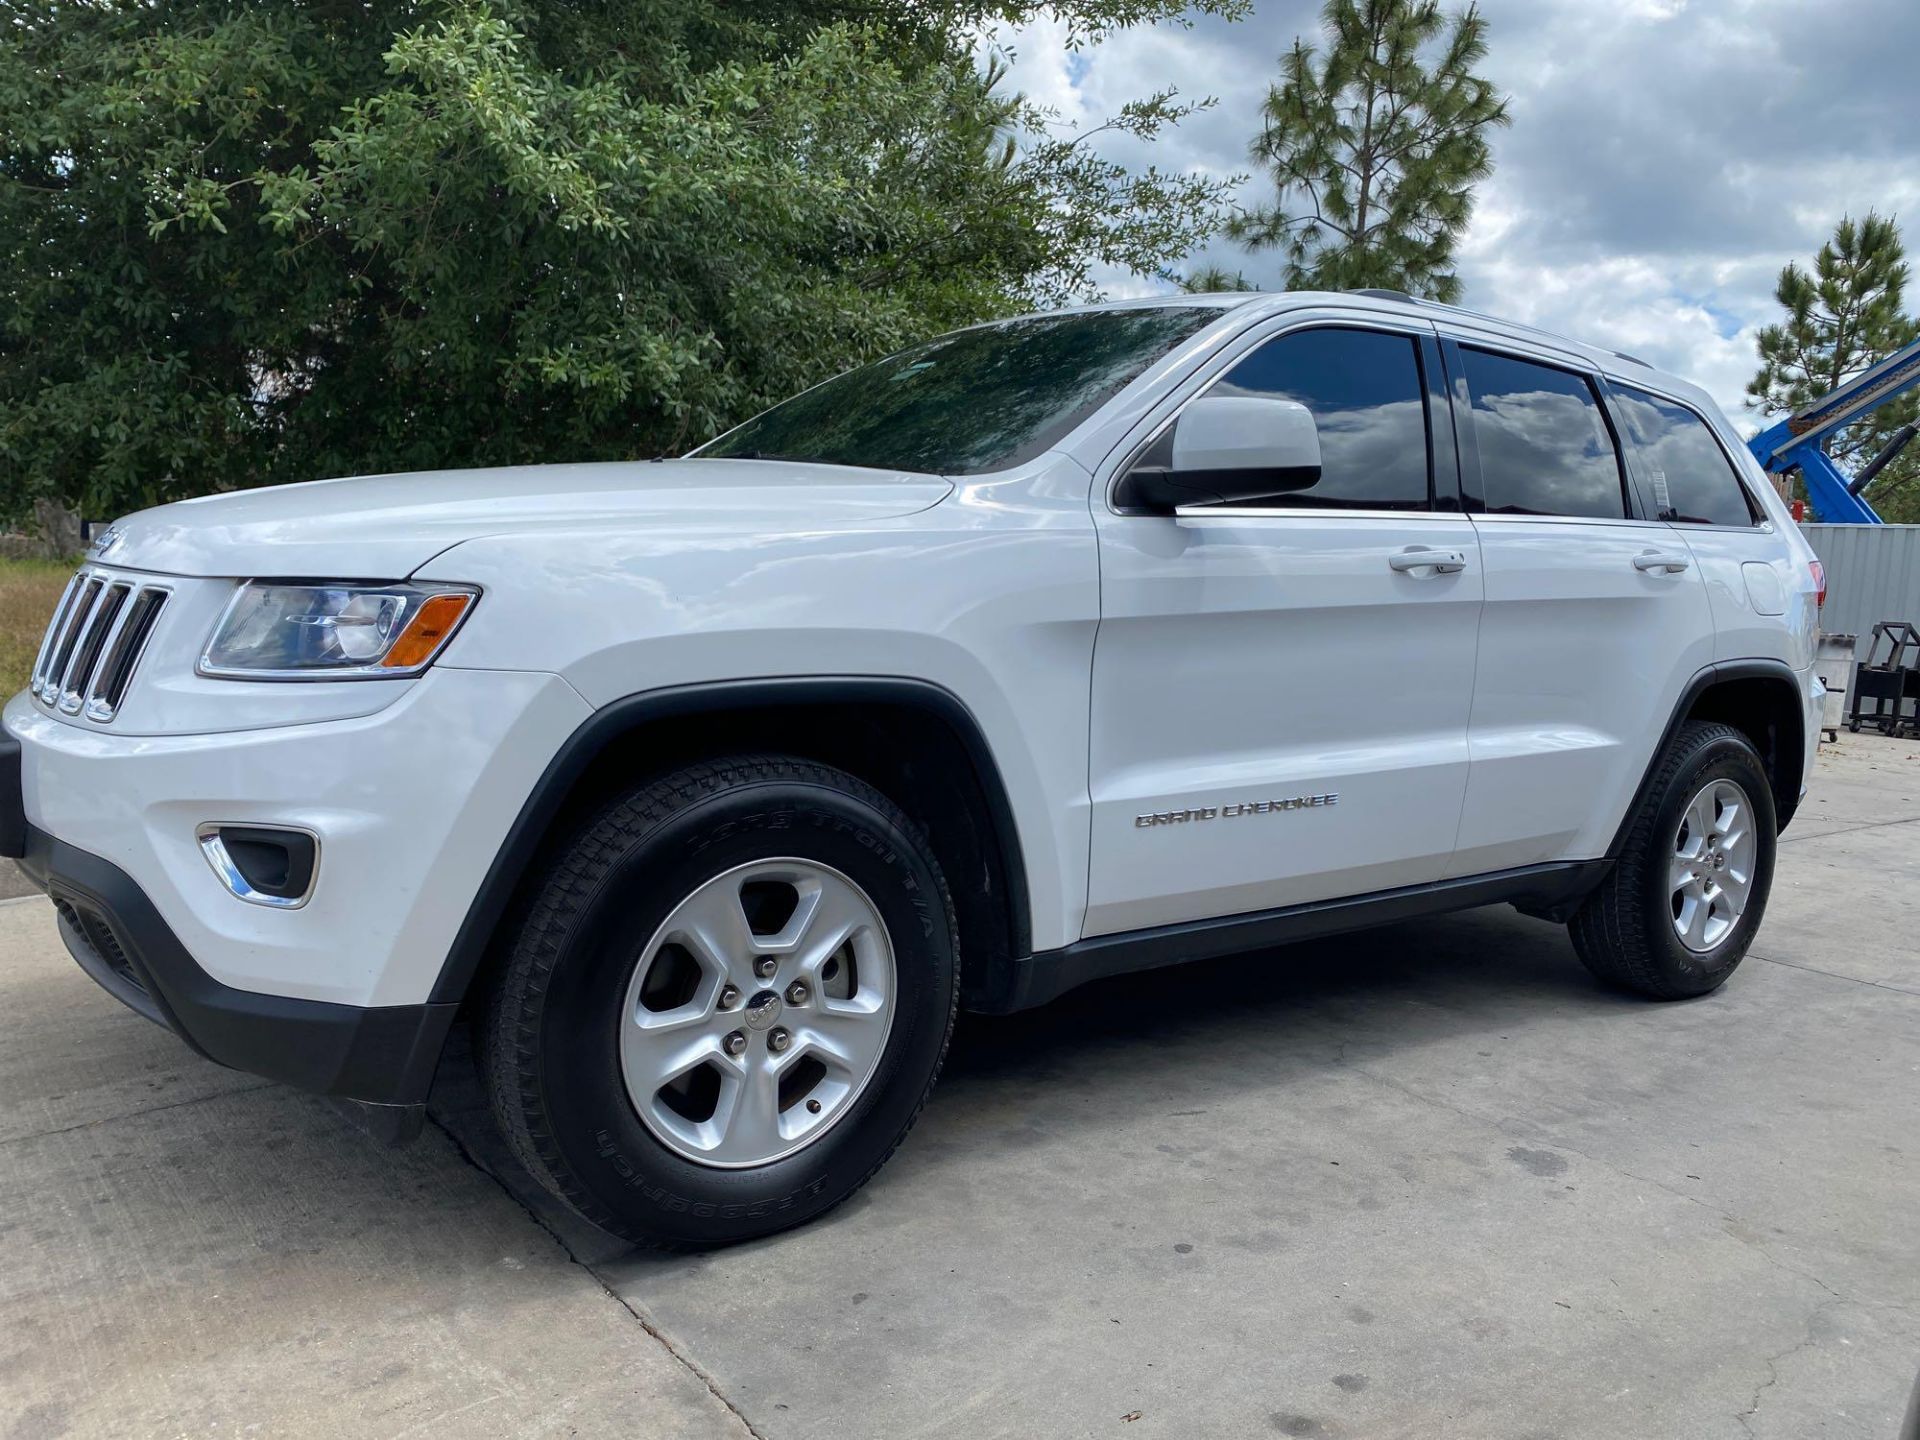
x=273, y=631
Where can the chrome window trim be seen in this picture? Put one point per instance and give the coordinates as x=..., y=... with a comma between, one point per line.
x=1282, y=512
x=1508, y=518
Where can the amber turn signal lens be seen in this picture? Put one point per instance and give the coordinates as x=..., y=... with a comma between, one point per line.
x=424, y=633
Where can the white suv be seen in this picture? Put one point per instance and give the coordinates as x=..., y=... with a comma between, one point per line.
x=709, y=790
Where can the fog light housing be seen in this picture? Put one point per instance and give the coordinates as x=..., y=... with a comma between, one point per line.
x=263, y=864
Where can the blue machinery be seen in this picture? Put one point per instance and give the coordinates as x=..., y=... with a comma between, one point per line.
x=1798, y=442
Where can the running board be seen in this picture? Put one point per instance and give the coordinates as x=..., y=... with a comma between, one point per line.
x=1550, y=892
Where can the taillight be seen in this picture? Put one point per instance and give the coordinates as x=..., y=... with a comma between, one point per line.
x=1819, y=573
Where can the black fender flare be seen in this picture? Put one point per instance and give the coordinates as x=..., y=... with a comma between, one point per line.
x=608, y=723
x=1715, y=674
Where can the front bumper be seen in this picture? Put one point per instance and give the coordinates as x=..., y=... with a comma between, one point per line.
x=410, y=804
x=383, y=1057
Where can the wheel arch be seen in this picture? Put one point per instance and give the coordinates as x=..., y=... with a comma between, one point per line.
x=1759, y=698
x=915, y=741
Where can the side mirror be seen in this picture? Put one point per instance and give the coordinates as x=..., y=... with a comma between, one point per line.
x=1229, y=447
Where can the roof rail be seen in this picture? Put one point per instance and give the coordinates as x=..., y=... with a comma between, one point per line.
x=1384, y=295
x=1632, y=359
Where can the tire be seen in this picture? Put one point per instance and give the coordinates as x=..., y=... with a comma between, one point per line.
x=1629, y=932
x=580, y=1024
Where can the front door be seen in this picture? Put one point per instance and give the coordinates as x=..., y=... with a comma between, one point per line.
x=1281, y=691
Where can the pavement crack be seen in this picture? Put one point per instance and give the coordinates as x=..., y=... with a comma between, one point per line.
x=1773, y=1364
x=136, y=1114
x=1848, y=830
x=1850, y=979
x=686, y=1361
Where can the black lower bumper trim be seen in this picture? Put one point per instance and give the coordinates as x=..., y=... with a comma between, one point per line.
x=383, y=1055
x=13, y=810
x=1547, y=891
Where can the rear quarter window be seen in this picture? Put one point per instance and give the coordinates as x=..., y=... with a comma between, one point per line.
x=1690, y=478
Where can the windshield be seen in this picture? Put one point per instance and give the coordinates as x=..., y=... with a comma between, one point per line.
x=973, y=401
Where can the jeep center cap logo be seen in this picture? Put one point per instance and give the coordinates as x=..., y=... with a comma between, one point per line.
x=762, y=1010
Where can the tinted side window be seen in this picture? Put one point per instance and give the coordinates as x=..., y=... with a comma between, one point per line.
x=1544, y=445
x=1364, y=390
x=1689, y=473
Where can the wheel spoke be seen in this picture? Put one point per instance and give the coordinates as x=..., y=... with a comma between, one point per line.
x=834, y=920
x=1700, y=817
x=1694, y=912
x=750, y=1125
x=1680, y=873
x=651, y=1059
x=850, y=1033
x=713, y=925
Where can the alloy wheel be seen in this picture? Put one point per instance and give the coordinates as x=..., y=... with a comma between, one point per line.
x=757, y=1013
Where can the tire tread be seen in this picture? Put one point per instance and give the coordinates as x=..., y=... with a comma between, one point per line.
x=1611, y=931
x=509, y=1048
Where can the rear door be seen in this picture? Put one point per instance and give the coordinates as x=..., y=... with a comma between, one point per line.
x=1684, y=475
x=1595, y=615
x=1280, y=690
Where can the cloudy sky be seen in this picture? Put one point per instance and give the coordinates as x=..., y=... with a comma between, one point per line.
x=1666, y=156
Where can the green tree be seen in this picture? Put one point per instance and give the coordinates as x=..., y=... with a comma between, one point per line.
x=1846, y=315
x=1212, y=279
x=272, y=240
x=1375, y=147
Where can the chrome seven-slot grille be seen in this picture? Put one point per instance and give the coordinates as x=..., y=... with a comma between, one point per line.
x=99, y=629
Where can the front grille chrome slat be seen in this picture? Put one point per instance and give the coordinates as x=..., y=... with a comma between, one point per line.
x=100, y=623
x=94, y=643
x=75, y=623
x=122, y=652
x=43, y=661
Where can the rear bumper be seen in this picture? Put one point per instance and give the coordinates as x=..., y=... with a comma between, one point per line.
x=382, y=1057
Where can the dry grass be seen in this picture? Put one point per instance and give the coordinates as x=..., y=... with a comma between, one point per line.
x=29, y=589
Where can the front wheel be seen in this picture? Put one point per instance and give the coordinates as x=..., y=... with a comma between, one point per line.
x=728, y=1003
x=1677, y=913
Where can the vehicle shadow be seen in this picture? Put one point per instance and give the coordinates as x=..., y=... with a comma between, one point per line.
x=1129, y=1052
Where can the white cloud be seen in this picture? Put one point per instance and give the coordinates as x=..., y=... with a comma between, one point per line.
x=1667, y=157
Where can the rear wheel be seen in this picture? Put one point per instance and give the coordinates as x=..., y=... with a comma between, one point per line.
x=728, y=1003
x=1675, y=917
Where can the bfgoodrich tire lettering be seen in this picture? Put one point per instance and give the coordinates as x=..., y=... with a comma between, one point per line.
x=1640, y=929
x=551, y=1042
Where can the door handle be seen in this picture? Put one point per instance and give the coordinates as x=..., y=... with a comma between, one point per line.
x=1656, y=560
x=1419, y=557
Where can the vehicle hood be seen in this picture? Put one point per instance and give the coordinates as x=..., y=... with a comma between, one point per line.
x=384, y=527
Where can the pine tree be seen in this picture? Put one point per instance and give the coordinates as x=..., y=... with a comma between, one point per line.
x=1211, y=279
x=1842, y=318
x=1375, y=147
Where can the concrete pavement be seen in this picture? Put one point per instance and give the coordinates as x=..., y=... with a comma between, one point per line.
x=1429, y=1181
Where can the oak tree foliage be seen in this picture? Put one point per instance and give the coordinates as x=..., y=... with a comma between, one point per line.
x=280, y=239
